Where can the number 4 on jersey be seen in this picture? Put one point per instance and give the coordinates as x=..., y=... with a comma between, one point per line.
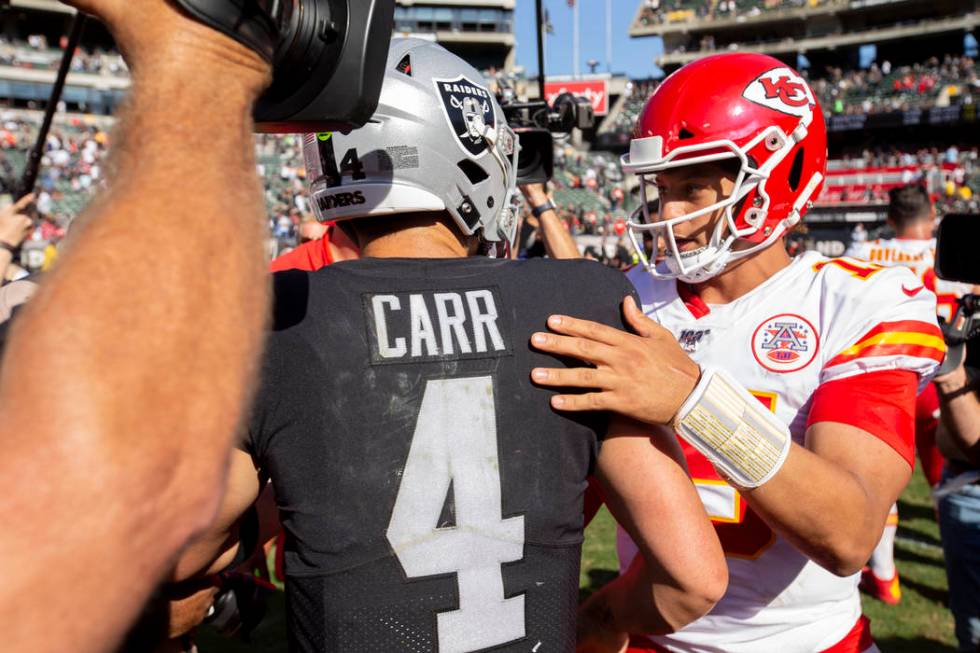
x=455, y=445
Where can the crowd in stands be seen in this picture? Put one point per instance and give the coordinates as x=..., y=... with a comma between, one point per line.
x=593, y=197
x=637, y=92
x=658, y=12
x=951, y=175
x=36, y=53
x=882, y=88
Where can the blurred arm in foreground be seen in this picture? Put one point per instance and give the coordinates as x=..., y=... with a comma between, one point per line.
x=141, y=344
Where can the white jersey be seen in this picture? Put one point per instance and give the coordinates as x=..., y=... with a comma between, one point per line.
x=920, y=256
x=815, y=321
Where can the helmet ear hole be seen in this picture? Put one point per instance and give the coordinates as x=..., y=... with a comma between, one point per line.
x=796, y=170
x=405, y=65
x=684, y=134
x=473, y=171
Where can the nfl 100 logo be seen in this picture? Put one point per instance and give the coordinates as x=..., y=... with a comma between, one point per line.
x=785, y=343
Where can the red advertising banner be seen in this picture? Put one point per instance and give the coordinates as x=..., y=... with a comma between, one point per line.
x=594, y=90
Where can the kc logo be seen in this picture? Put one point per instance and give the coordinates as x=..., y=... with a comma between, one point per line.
x=783, y=90
x=789, y=92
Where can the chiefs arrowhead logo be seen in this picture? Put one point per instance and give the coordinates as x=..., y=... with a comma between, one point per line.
x=781, y=89
x=912, y=292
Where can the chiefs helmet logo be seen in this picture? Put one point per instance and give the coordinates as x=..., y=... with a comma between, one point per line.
x=787, y=91
x=781, y=89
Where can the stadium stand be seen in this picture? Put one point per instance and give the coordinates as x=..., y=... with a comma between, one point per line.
x=35, y=53
x=880, y=88
x=951, y=176
x=656, y=12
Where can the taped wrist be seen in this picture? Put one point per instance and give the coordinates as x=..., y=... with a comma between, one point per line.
x=732, y=429
x=253, y=23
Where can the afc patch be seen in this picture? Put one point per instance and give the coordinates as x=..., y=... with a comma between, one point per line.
x=785, y=343
x=469, y=109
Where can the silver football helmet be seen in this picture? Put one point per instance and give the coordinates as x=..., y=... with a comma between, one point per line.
x=438, y=142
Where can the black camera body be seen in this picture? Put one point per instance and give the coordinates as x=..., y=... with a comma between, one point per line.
x=536, y=124
x=964, y=326
x=328, y=57
x=956, y=260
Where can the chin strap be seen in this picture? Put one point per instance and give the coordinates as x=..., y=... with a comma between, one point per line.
x=253, y=23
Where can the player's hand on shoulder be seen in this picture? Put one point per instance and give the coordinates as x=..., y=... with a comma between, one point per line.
x=644, y=375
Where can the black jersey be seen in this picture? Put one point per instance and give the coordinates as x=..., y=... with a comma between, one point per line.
x=432, y=499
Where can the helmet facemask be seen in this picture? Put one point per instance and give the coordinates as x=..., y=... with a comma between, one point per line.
x=504, y=147
x=772, y=145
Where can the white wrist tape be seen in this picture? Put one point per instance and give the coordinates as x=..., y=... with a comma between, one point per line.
x=732, y=429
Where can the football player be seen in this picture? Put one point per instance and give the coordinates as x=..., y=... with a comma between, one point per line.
x=430, y=497
x=911, y=215
x=792, y=382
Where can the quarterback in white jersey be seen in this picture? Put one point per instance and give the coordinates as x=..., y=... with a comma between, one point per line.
x=816, y=321
x=791, y=383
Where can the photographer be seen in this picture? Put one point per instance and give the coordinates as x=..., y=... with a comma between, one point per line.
x=959, y=499
x=148, y=340
x=553, y=234
x=15, y=226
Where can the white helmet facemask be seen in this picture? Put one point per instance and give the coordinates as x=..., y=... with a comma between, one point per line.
x=645, y=159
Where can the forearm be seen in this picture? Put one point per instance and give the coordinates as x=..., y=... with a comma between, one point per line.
x=637, y=602
x=960, y=414
x=680, y=572
x=558, y=242
x=837, y=529
x=146, y=335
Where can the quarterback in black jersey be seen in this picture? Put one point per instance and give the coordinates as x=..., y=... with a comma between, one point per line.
x=431, y=499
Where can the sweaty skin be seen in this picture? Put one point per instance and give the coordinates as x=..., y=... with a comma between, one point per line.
x=125, y=377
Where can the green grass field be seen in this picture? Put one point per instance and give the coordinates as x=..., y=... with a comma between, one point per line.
x=919, y=624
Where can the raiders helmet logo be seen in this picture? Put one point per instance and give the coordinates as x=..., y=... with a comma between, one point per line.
x=783, y=90
x=468, y=107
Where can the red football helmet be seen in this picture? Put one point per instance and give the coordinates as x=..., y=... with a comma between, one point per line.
x=747, y=107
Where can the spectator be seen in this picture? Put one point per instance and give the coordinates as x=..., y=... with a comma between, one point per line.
x=959, y=500
x=15, y=225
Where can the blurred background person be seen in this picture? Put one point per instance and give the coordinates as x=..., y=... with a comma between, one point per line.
x=959, y=499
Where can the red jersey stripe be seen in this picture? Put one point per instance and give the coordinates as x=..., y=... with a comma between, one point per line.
x=905, y=326
x=917, y=351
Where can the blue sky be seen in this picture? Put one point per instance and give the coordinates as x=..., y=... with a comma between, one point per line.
x=634, y=57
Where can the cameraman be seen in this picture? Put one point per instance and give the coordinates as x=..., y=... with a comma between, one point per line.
x=958, y=438
x=125, y=376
